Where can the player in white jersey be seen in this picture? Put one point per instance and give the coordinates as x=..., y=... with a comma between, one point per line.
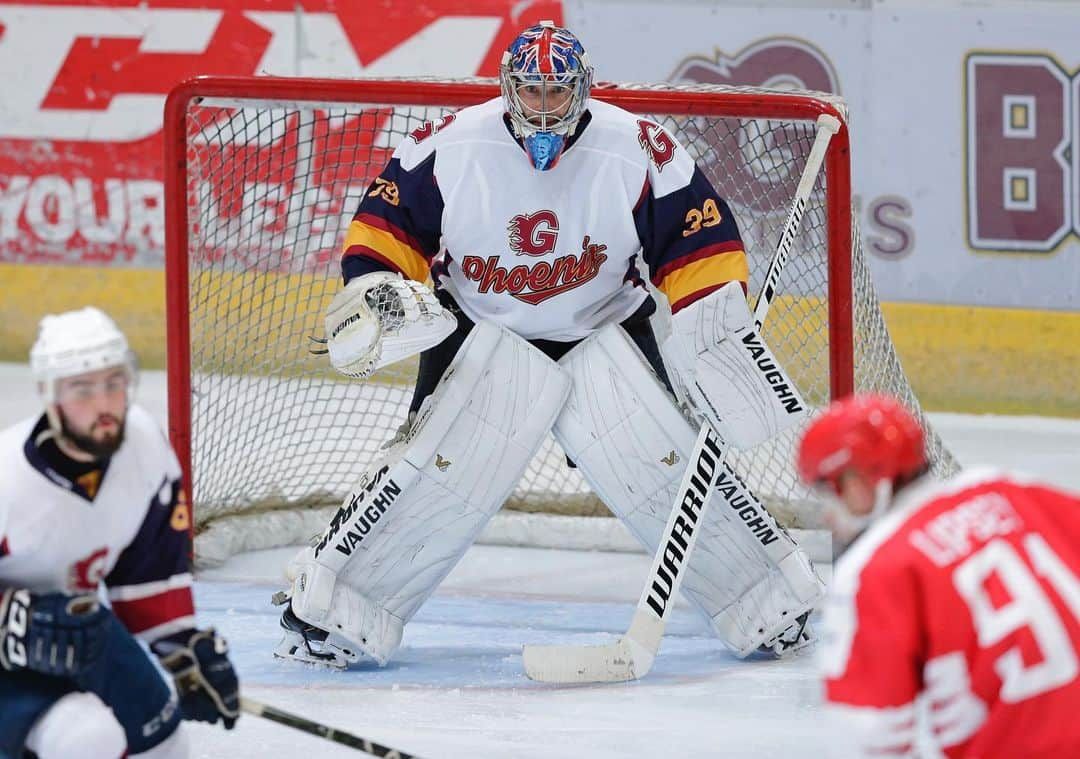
x=91, y=498
x=533, y=213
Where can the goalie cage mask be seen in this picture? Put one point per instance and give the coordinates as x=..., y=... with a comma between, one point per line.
x=550, y=64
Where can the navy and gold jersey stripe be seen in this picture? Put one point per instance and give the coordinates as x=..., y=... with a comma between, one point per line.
x=375, y=237
x=397, y=225
x=689, y=256
x=694, y=276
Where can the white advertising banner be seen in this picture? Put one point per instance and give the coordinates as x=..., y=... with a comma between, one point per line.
x=965, y=124
x=965, y=118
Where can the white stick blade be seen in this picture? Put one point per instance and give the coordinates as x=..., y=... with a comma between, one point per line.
x=612, y=663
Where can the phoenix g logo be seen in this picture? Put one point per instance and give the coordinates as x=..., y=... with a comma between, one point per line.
x=534, y=234
x=656, y=143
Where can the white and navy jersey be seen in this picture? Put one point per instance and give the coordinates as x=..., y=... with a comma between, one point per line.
x=548, y=254
x=124, y=524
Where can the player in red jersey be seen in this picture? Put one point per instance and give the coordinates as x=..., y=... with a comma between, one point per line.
x=962, y=596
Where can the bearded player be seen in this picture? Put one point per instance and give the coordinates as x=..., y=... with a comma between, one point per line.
x=91, y=497
x=534, y=214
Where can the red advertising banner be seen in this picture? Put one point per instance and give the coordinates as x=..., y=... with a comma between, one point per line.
x=84, y=86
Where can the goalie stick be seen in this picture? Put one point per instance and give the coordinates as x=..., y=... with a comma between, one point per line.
x=259, y=709
x=631, y=656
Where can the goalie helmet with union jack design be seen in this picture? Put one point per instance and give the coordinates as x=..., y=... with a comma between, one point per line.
x=545, y=77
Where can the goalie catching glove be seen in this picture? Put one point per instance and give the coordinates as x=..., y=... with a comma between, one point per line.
x=380, y=318
x=51, y=633
x=205, y=680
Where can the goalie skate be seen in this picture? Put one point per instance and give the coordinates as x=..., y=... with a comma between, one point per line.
x=307, y=643
x=792, y=640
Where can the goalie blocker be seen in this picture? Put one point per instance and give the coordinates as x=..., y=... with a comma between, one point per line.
x=726, y=372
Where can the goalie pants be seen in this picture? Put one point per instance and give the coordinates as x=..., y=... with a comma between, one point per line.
x=125, y=679
x=433, y=362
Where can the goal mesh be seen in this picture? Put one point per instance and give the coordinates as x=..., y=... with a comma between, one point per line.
x=261, y=189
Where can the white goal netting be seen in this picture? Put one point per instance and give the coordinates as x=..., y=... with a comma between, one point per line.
x=269, y=185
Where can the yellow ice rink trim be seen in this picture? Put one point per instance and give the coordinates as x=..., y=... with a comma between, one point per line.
x=989, y=360
x=135, y=298
x=238, y=321
x=958, y=358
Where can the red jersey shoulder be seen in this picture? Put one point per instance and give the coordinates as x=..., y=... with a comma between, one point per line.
x=941, y=523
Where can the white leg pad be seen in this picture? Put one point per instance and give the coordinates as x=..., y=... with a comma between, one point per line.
x=356, y=624
x=416, y=512
x=770, y=606
x=631, y=442
x=78, y=724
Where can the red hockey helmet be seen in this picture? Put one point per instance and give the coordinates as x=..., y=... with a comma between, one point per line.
x=871, y=434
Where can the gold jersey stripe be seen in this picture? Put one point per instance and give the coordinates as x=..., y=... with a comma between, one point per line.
x=409, y=260
x=708, y=272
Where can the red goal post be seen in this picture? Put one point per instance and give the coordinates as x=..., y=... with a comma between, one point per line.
x=251, y=263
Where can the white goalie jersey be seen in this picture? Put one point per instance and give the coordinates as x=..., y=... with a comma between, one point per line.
x=553, y=254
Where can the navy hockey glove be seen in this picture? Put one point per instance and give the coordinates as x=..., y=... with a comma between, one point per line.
x=51, y=633
x=199, y=663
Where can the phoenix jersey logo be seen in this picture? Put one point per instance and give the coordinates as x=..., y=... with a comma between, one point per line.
x=657, y=144
x=534, y=234
x=88, y=573
x=541, y=281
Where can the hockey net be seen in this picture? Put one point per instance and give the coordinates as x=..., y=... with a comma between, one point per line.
x=262, y=178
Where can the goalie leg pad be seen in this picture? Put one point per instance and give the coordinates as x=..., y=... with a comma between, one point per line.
x=416, y=512
x=630, y=442
x=788, y=590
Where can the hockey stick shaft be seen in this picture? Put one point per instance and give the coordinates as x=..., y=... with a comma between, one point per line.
x=679, y=529
x=633, y=654
x=259, y=709
x=680, y=534
x=827, y=127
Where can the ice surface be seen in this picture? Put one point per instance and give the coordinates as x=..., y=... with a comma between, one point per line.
x=457, y=689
